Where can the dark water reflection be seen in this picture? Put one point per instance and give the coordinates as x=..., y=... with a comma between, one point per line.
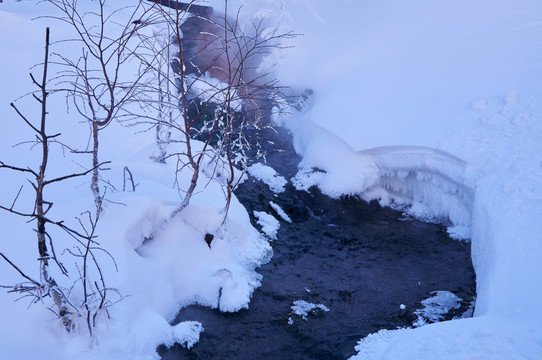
x=360, y=260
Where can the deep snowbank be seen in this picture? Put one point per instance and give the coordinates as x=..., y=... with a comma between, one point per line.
x=461, y=80
x=161, y=263
x=428, y=184
x=500, y=206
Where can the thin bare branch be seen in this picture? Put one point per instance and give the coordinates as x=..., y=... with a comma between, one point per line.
x=16, y=168
x=36, y=283
x=65, y=177
x=24, y=118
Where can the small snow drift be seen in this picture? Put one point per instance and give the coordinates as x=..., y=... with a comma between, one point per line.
x=270, y=225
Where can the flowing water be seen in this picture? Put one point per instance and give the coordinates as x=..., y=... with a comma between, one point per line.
x=362, y=262
x=359, y=260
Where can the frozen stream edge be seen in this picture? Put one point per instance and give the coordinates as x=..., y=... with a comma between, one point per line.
x=433, y=185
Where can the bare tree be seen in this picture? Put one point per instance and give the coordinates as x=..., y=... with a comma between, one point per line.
x=95, y=80
x=94, y=292
x=214, y=87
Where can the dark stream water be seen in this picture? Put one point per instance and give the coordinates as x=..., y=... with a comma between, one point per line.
x=360, y=260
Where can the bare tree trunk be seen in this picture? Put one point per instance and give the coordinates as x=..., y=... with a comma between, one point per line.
x=214, y=47
x=95, y=172
x=194, y=164
x=40, y=180
x=42, y=244
x=163, y=131
x=100, y=93
x=84, y=249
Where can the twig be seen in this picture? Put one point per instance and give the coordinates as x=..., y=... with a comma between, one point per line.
x=131, y=178
x=76, y=174
x=21, y=272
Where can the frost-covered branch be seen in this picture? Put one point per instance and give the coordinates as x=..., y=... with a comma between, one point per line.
x=211, y=94
x=67, y=308
x=96, y=79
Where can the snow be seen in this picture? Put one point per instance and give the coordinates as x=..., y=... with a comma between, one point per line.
x=303, y=308
x=474, y=338
x=435, y=109
x=280, y=212
x=436, y=306
x=269, y=176
x=430, y=107
x=187, y=333
x=161, y=263
x=270, y=225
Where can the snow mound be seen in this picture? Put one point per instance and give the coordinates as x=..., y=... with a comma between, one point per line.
x=187, y=333
x=220, y=274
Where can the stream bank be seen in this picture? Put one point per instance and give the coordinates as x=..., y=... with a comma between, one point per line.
x=370, y=266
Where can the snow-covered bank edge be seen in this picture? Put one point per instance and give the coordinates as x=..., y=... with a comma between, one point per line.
x=425, y=183
x=497, y=210
x=461, y=77
x=161, y=264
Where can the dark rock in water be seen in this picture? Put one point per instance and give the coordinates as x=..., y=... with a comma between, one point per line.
x=208, y=239
x=357, y=259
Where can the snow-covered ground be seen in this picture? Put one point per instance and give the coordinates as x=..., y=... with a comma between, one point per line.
x=433, y=107
x=436, y=106
x=155, y=277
